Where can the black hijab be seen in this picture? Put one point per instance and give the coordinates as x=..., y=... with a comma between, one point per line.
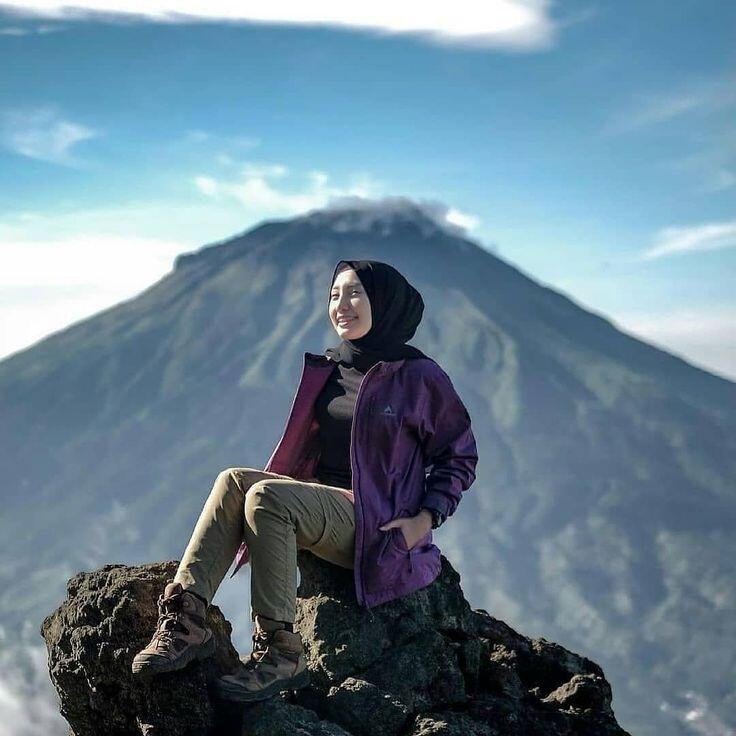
x=396, y=311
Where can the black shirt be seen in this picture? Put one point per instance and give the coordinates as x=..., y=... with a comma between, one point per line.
x=334, y=412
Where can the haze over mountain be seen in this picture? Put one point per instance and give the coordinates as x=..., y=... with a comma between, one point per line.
x=604, y=510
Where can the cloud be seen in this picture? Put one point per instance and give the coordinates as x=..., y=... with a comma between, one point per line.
x=696, y=238
x=722, y=179
x=704, y=336
x=708, y=105
x=28, y=702
x=364, y=214
x=29, y=31
x=713, y=165
x=198, y=135
x=46, y=285
x=257, y=189
x=267, y=188
x=43, y=134
x=83, y=261
x=106, y=532
x=702, y=96
x=696, y=714
x=463, y=220
x=517, y=25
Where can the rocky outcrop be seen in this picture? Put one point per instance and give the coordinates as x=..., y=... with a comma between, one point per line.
x=423, y=664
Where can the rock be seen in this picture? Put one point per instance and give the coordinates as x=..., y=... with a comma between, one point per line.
x=108, y=616
x=422, y=664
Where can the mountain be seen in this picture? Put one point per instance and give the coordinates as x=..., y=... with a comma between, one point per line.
x=605, y=505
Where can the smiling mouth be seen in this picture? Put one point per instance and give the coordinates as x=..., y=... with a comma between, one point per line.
x=343, y=322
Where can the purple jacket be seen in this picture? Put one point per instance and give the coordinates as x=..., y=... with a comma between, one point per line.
x=411, y=446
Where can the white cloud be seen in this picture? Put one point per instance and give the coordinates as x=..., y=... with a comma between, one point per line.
x=267, y=188
x=43, y=134
x=28, y=702
x=206, y=184
x=83, y=260
x=521, y=25
x=46, y=285
x=359, y=213
x=257, y=190
x=462, y=219
x=696, y=714
x=696, y=238
x=704, y=337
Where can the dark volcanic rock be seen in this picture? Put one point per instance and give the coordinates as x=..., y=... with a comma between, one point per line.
x=423, y=664
x=108, y=616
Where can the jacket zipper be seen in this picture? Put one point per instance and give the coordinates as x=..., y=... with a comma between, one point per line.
x=354, y=464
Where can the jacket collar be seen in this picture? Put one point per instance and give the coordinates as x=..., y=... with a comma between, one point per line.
x=322, y=361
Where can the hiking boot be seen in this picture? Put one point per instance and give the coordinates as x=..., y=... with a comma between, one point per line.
x=181, y=634
x=277, y=663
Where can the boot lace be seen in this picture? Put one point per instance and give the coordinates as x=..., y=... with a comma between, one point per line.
x=261, y=652
x=169, y=621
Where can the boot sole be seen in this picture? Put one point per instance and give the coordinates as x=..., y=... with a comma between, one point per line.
x=229, y=691
x=153, y=664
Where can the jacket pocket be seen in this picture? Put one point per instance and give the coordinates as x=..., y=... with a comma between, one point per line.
x=398, y=539
x=392, y=543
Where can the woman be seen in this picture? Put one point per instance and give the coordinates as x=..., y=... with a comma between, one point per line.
x=348, y=481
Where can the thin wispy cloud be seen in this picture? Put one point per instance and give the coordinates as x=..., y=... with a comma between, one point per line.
x=722, y=179
x=713, y=165
x=43, y=134
x=708, y=236
x=29, y=30
x=240, y=142
x=647, y=109
x=519, y=25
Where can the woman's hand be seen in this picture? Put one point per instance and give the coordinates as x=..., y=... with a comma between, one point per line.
x=412, y=527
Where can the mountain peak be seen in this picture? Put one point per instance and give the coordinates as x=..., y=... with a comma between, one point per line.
x=346, y=214
x=383, y=215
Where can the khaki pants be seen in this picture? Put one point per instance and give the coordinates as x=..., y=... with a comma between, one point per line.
x=275, y=514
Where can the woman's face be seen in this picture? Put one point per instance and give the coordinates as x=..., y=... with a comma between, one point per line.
x=349, y=309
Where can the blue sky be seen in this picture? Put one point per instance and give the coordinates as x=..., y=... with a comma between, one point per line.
x=591, y=144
